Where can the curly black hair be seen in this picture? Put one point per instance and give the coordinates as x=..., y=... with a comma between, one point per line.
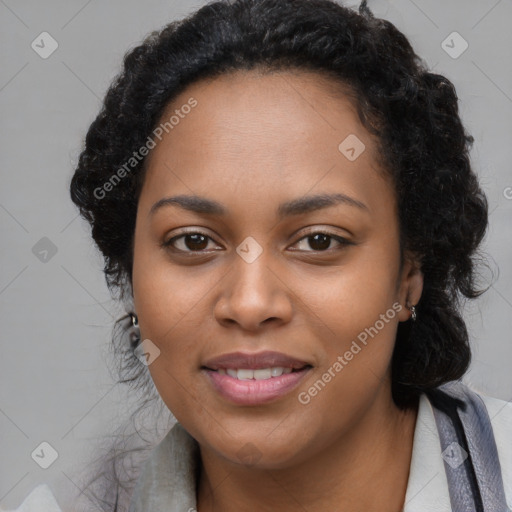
x=423, y=145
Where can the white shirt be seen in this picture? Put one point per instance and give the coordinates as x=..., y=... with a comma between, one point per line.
x=427, y=488
x=168, y=476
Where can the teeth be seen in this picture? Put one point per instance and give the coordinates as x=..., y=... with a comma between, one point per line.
x=244, y=374
x=264, y=373
x=277, y=371
x=260, y=374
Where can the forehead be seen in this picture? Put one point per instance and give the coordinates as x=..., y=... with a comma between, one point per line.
x=243, y=104
x=277, y=132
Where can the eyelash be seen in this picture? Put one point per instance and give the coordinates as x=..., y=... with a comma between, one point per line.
x=341, y=240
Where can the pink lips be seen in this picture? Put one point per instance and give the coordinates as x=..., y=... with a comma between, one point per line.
x=254, y=392
x=257, y=360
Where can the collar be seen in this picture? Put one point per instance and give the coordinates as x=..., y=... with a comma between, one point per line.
x=427, y=488
x=168, y=478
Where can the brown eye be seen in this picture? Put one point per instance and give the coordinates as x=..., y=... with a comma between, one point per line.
x=321, y=241
x=189, y=242
x=196, y=242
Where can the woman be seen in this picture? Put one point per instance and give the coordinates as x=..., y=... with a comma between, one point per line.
x=284, y=200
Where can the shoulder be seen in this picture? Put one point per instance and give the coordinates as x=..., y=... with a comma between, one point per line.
x=500, y=414
x=41, y=499
x=168, y=477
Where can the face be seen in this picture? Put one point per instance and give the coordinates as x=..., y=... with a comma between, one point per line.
x=255, y=274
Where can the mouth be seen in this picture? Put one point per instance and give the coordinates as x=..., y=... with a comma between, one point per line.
x=254, y=379
x=257, y=373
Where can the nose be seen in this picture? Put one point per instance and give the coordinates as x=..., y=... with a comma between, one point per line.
x=253, y=296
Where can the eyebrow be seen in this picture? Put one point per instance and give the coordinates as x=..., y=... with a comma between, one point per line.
x=301, y=205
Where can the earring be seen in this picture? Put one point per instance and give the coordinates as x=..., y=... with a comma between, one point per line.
x=134, y=330
x=413, y=313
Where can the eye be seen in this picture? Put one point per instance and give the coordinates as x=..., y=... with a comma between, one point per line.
x=197, y=242
x=321, y=241
x=193, y=241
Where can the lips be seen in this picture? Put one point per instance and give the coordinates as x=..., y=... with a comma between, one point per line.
x=256, y=361
x=255, y=379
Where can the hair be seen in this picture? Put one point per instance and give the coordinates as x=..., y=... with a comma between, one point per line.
x=424, y=147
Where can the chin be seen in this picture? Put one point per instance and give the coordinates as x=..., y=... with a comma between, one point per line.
x=261, y=452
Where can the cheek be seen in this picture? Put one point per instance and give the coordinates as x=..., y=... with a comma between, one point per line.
x=357, y=334
x=349, y=298
x=357, y=328
x=355, y=309
x=168, y=306
x=167, y=297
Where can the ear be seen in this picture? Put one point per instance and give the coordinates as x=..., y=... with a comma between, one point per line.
x=410, y=286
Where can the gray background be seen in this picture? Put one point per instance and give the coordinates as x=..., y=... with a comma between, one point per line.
x=56, y=315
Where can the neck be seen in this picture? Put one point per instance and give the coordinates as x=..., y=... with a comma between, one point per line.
x=367, y=468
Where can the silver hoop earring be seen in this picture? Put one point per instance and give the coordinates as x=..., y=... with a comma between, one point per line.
x=134, y=330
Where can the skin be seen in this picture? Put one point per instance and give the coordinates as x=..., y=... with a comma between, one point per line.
x=252, y=142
